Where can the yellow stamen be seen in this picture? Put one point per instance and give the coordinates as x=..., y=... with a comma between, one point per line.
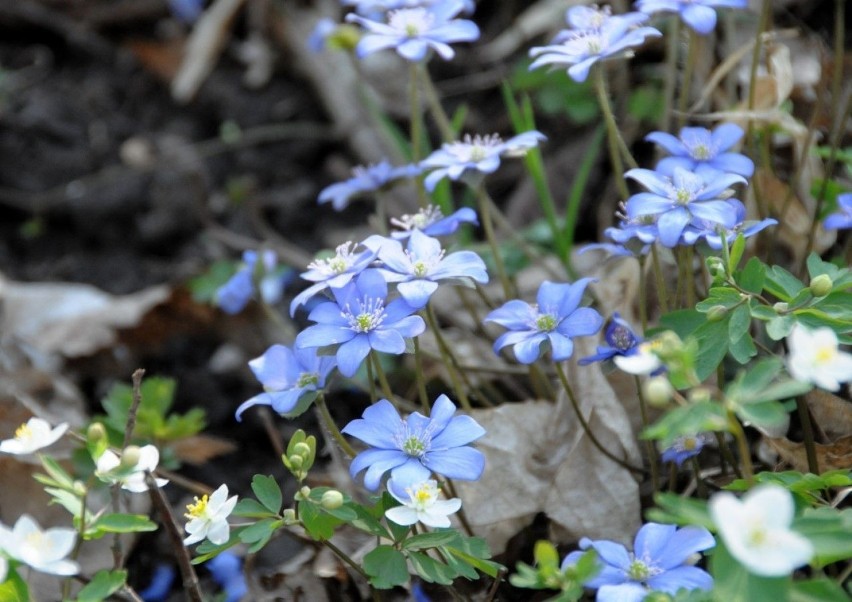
x=197, y=509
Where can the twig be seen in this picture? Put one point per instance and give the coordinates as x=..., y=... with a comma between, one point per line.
x=134, y=405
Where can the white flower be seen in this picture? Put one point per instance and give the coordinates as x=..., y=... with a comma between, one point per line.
x=129, y=470
x=45, y=551
x=757, y=531
x=815, y=358
x=208, y=517
x=421, y=503
x=642, y=361
x=32, y=436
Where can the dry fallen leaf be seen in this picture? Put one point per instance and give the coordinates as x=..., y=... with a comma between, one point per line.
x=538, y=459
x=831, y=414
x=831, y=456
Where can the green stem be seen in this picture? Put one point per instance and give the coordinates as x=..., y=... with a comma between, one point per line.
x=585, y=425
x=383, y=379
x=448, y=359
x=650, y=447
x=451, y=490
x=742, y=444
x=613, y=135
x=671, y=72
x=344, y=557
x=808, y=432
x=643, y=294
x=699, y=483
x=436, y=108
x=662, y=295
x=331, y=425
x=416, y=127
x=371, y=379
x=484, y=203
x=419, y=377
x=686, y=84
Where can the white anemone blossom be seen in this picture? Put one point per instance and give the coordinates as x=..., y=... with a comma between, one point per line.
x=32, y=436
x=208, y=517
x=130, y=469
x=815, y=358
x=44, y=551
x=420, y=503
x=756, y=530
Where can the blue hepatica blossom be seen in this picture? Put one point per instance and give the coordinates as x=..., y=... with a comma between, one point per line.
x=374, y=8
x=235, y=294
x=594, y=17
x=431, y=221
x=712, y=232
x=620, y=340
x=414, y=448
x=700, y=146
x=414, y=32
x=700, y=15
x=334, y=272
x=473, y=157
x=227, y=570
x=417, y=268
x=555, y=319
x=842, y=218
x=681, y=198
x=578, y=48
x=360, y=319
x=287, y=375
x=365, y=180
x=683, y=448
x=661, y=561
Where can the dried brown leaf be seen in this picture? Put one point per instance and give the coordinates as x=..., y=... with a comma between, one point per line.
x=832, y=456
x=832, y=415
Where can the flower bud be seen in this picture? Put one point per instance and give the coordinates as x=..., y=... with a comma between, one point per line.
x=699, y=395
x=658, y=391
x=96, y=432
x=289, y=516
x=658, y=597
x=345, y=37
x=332, y=499
x=821, y=285
x=301, y=449
x=304, y=493
x=715, y=266
x=296, y=462
x=130, y=456
x=717, y=313
x=781, y=307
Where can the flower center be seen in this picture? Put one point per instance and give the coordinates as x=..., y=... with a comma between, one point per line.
x=420, y=269
x=198, y=509
x=23, y=432
x=424, y=495
x=825, y=354
x=546, y=322
x=342, y=260
x=474, y=149
x=412, y=22
x=683, y=196
x=638, y=571
x=701, y=152
x=413, y=446
x=689, y=443
x=757, y=535
x=620, y=337
x=418, y=221
x=371, y=314
x=307, y=379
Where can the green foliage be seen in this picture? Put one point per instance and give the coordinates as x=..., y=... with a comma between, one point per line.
x=671, y=508
x=547, y=574
x=268, y=492
x=754, y=395
x=117, y=523
x=14, y=589
x=805, y=486
x=102, y=586
x=205, y=286
x=817, y=590
x=733, y=583
x=687, y=420
x=301, y=453
x=386, y=567
x=830, y=532
x=258, y=534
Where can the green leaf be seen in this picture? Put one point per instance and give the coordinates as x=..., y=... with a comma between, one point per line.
x=14, y=589
x=120, y=523
x=365, y=521
x=687, y=420
x=431, y=540
x=671, y=508
x=767, y=416
x=712, y=338
x=259, y=533
x=249, y=508
x=733, y=583
x=431, y=570
x=739, y=322
x=737, y=250
x=755, y=380
x=778, y=328
x=545, y=554
x=753, y=276
x=318, y=524
x=743, y=350
x=817, y=590
x=102, y=586
x=57, y=473
x=762, y=312
x=782, y=283
x=720, y=295
x=386, y=567
x=489, y=567
x=268, y=492
x=683, y=321
x=837, y=305
x=207, y=549
x=830, y=532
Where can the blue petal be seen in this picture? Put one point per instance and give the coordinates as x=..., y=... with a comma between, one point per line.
x=323, y=335
x=411, y=473
x=258, y=400
x=283, y=402
x=688, y=577
x=613, y=554
x=442, y=412
x=650, y=180
x=409, y=327
x=463, y=463
x=734, y=163
x=683, y=544
x=377, y=427
x=277, y=368
x=726, y=135
x=626, y=592
x=514, y=315
x=529, y=350
x=671, y=224
x=350, y=355
x=460, y=431
x=582, y=323
x=651, y=540
x=700, y=18
x=561, y=346
x=386, y=341
x=417, y=292
x=671, y=144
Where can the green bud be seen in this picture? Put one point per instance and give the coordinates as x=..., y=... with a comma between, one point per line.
x=658, y=391
x=130, y=456
x=781, y=307
x=302, y=449
x=289, y=516
x=668, y=346
x=345, y=37
x=716, y=267
x=658, y=597
x=79, y=488
x=96, y=432
x=331, y=499
x=304, y=493
x=295, y=462
x=821, y=285
x=717, y=313
x=699, y=395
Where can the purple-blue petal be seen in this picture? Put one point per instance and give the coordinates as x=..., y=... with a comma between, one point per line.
x=462, y=463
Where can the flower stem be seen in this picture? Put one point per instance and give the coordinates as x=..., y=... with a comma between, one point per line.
x=585, y=425
x=451, y=490
x=671, y=72
x=808, y=432
x=643, y=294
x=419, y=377
x=686, y=84
x=617, y=146
x=416, y=127
x=331, y=425
x=650, y=447
x=345, y=558
x=484, y=202
x=448, y=359
x=662, y=295
x=742, y=444
x=383, y=379
x=436, y=108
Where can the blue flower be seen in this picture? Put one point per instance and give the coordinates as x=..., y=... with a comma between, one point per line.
x=334, y=272
x=227, y=570
x=161, y=583
x=418, y=268
x=414, y=32
x=842, y=219
x=679, y=199
x=555, y=319
x=580, y=48
x=187, y=11
x=376, y=8
x=364, y=180
x=470, y=159
x=594, y=17
x=235, y=294
x=711, y=232
x=360, y=319
x=318, y=39
x=683, y=448
x=698, y=14
x=620, y=338
x=287, y=375
x=660, y=562
x=414, y=448
x=431, y=221
x=700, y=146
